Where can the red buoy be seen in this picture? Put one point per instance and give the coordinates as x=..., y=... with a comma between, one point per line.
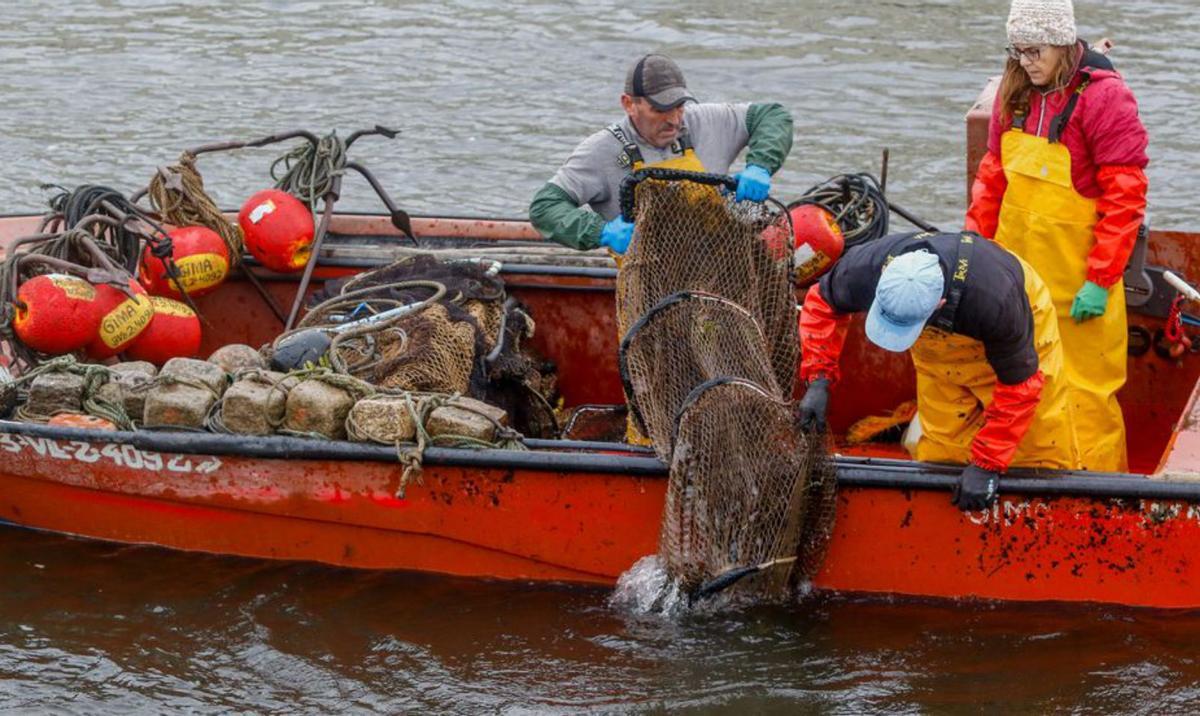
x=174, y=332
x=776, y=241
x=202, y=258
x=122, y=319
x=56, y=313
x=819, y=242
x=278, y=229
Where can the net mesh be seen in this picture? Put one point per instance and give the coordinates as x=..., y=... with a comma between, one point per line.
x=747, y=487
x=687, y=339
x=687, y=236
x=708, y=360
x=464, y=335
x=430, y=352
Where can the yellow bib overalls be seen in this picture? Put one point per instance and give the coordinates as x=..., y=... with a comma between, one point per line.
x=686, y=161
x=955, y=385
x=1046, y=222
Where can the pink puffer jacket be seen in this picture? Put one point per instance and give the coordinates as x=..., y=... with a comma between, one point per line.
x=1104, y=129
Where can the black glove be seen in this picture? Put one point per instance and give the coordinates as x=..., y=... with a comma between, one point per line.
x=976, y=489
x=814, y=405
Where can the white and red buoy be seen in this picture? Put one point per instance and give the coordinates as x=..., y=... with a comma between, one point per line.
x=278, y=229
x=819, y=242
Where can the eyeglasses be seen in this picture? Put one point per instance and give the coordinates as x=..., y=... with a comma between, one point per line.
x=1033, y=54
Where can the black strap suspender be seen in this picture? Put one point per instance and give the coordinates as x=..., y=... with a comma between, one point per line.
x=1059, y=123
x=631, y=154
x=944, y=318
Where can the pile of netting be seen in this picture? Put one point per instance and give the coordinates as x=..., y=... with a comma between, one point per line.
x=428, y=325
x=708, y=358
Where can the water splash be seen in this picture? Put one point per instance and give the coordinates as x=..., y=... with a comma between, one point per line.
x=646, y=588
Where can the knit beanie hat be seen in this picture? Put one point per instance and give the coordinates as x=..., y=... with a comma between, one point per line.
x=1041, y=22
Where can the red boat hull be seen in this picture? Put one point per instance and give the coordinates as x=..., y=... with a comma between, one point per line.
x=576, y=526
x=587, y=516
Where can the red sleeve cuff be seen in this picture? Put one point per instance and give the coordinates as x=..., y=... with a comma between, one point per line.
x=822, y=336
x=1005, y=422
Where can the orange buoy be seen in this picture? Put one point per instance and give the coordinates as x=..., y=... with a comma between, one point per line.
x=56, y=313
x=77, y=420
x=278, y=229
x=202, y=258
x=775, y=241
x=122, y=319
x=819, y=242
x=174, y=332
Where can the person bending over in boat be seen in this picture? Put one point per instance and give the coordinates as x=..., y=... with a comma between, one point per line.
x=983, y=336
x=1062, y=186
x=663, y=127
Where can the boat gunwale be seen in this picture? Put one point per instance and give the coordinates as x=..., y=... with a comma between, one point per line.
x=587, y=457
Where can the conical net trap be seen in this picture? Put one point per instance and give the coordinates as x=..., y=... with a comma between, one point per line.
x=708, y=361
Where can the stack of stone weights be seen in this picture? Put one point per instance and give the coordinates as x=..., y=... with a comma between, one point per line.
x=747, y=487
x=687, y=339
x=689, y=237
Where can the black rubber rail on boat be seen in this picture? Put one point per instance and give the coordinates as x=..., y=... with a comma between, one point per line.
x=579, y=456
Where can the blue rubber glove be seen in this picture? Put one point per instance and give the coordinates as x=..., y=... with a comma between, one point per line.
x=754, y=183
x=1089, y=303
x=616, y=234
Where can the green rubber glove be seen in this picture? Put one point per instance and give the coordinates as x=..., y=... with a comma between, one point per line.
x=1089, y=303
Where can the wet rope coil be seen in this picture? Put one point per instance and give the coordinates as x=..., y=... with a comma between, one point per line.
x=308, y=172
x=856, y=202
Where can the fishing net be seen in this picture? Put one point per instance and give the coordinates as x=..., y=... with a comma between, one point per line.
x=688, y=236
x=457, y=332
x=427, y=351
x=687, y=339
x=708, y=360
x=747, y=488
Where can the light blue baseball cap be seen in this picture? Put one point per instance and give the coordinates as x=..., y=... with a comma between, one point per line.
x=908, y=293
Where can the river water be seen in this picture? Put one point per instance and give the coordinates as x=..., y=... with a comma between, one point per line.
x=490, y=97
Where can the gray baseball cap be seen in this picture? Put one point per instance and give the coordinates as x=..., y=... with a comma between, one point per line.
x=659, y=80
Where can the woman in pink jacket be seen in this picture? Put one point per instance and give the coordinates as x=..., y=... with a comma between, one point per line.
x=1062, y=186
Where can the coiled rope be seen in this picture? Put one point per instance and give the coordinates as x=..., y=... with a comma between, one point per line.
x=856, y=202
x=307, y=172
x=319, y=318
x=177, y=193
x=121, y=239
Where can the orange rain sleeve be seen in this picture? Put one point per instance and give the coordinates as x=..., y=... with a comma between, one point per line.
x=1121, y=209
x=1005, y=422
x=822, y=335
x=987, y=192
